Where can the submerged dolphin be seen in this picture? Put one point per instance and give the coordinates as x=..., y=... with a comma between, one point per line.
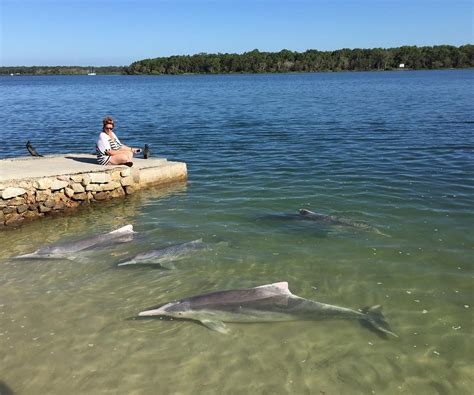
x=122, y=234
x=334, y=220
x=267, y=303
x=167, y=254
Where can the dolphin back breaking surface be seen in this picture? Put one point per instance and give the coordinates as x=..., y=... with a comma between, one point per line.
x=266, y=303
x=123, y=234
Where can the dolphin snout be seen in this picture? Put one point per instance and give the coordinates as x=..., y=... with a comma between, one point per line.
x=151, y=313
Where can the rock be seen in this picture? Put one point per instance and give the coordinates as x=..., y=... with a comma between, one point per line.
x=13, y=218
x=69, y=192
x=30, y=214
x=127, y=181
x=17, y=201
x=25, y=185
x=76, y=177
x=22, y=208
x=111, y=186
x=63, y=178
x=49, y=203
x=125, y=172
x=86, y=179
x=116, y=176
x=8, y=210
x=119, y=192
x=41, y=196
x=130, y=189
x=99, y=178
x=59, y=206
x=43, y=183
x=59, y=196
x=101, y=196
x=44, y=209
x=30, y=197
x=58, y=184
x=80, y=196
x=77, y=188
x=73, y=204
x=93, y=188
x=11, y=192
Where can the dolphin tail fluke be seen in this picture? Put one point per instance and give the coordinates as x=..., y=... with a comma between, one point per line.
x=374, y=317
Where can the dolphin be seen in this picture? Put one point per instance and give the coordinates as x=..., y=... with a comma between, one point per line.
x=266, y=303
x=165, y=255
x=334, y=220
x=122, y=234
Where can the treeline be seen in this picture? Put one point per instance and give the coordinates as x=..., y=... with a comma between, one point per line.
x=412, y=57
x=60, y=70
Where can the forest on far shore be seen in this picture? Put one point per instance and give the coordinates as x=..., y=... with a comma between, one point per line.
x=285, y=61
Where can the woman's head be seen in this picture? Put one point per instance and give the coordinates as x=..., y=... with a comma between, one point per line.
x=108, y=124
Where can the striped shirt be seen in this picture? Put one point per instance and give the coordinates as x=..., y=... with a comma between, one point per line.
x=104, y=145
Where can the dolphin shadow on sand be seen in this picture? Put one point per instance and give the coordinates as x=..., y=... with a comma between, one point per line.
x=266, y=303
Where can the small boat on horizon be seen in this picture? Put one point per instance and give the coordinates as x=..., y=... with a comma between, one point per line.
x=91, y=73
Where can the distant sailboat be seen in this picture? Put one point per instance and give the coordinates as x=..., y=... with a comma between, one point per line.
x=91, y=73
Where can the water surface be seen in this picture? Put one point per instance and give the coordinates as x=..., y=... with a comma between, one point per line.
x=394, y=150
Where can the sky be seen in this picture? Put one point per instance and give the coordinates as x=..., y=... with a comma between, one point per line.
x=119, y=32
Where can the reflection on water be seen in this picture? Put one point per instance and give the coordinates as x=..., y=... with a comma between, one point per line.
x=390, y=150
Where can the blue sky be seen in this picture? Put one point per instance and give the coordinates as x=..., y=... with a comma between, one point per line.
x=118, y=32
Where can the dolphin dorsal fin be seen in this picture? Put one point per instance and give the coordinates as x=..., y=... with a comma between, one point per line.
x=281, y=287
x=123, y=229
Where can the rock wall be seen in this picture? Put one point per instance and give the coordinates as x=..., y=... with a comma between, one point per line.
x=34, y=198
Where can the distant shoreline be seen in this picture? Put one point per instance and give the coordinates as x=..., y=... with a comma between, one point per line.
x=236, y=73
x=255, y=62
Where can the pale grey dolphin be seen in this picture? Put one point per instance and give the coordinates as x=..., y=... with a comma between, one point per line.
x=165, y=256
x=267, y=303
x=334, y=220
x=64, y=250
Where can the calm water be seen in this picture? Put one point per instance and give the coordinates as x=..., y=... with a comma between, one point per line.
x=394, y=150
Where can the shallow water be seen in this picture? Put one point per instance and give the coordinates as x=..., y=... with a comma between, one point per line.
x=392, y=150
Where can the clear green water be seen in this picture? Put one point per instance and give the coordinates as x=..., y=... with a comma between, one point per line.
x=394, y=150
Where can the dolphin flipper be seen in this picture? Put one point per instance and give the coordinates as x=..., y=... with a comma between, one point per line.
x=218, y=326
x=168, y=265
x=374, y=317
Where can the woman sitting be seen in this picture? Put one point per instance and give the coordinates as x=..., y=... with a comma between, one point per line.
x=110, y=151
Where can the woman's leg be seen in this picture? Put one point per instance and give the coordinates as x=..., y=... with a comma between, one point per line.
x=121, y=158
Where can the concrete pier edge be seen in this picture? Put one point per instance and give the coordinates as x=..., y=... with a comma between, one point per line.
x=32, y=187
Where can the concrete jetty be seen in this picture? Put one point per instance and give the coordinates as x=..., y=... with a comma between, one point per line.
x=31, y=187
